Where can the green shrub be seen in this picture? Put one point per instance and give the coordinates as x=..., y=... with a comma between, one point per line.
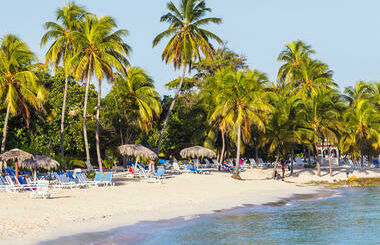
x=90, y=175
x=311, y=165
x=76, y=164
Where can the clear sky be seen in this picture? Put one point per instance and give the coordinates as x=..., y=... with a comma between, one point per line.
x=345, y=33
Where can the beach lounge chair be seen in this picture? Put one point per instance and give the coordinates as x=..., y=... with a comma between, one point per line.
x=4, y=186
x=63, y=181
x=216, y=163
x=192, y=169
x=160, y=173
x=196, y=163
x=252, y=162
x=12, y=186
x=147, y=179
x=42, y=190
x=208, y=164
x=108, y=179
x=75, y=180
x=176, y=167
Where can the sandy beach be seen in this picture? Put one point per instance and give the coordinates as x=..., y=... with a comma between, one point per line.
x=76, y=211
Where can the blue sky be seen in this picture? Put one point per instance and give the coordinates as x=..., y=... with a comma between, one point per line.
x=345, y=33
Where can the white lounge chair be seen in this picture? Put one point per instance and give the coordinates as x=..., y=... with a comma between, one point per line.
x=42, y=189
x=147, y=179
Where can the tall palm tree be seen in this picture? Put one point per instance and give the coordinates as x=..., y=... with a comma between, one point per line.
x=19, y=87
x=136, y=93
x=99, y=49
x=68, y=19
x=361, y=116
x=294, y=55
x=322, y=111
x=239, y=101
x=188, y=40
x=282, y=126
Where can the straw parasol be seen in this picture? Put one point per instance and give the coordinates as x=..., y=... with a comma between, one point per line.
x=196, y=152
x=137, y=151
x=19, y=157
x=42, y=161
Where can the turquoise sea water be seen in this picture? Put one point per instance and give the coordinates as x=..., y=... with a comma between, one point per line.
x=351, y=217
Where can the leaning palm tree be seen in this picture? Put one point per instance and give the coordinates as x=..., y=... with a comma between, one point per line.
x=19, y=87
x=68, y=19
x=239, y=101
x=187, y=40
x=99, y=49
x=136, y=93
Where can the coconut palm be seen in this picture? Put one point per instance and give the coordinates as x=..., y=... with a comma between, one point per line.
x=19, y=88
x=188, y=40
x=239, y=101
x=99, y=49
x=361, y=117
x=323, y=111
x=136, y=93
x=68, y=20
x=283, y=126
x=294, y=55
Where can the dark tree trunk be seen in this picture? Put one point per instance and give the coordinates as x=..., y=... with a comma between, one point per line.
x=5, y=128
x=291, y=163
x=171, y=108
x=276, y=163
x=236, y=171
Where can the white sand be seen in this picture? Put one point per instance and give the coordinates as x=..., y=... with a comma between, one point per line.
x=74, y=211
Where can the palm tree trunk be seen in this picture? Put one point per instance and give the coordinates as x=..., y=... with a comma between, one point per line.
x=318, y=163
x=97, y=127
x=330, y=162
x=84, y=116
x=171, y=108
x=276, y=163
x=236, y=171
x=5, y=128
x=257, y=154
x=63, y=121
x=292, y=160
x=223, y=148
x=361, y=153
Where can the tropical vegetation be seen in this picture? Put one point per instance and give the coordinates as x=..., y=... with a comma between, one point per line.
x=56, y=107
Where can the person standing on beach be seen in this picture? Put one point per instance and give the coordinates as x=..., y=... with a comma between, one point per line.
x=151, y=167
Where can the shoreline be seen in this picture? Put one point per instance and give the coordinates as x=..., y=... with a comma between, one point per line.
x=72, y=212
x=135, y=229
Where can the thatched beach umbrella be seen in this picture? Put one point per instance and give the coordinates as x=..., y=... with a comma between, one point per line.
x=41, y=161
x=197, y=152
x=137, y=151
x=18, y=157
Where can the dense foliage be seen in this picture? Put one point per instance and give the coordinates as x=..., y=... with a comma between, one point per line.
x=223, y=105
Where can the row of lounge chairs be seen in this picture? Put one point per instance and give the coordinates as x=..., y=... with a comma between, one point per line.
x=68, y=180
x=38, y=189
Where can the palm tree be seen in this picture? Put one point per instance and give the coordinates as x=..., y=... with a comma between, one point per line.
x=99, y=49
x=19, y=88
x=282, y=126
x=136, y=93
x=69, y=19
x=322, y=111
x=239, y=101
x=187, y=40
x=294, y=55
x=361, y=116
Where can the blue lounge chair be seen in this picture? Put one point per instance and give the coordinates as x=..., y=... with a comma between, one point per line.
x=160, y=173
x=108, y=179
x=191, y=168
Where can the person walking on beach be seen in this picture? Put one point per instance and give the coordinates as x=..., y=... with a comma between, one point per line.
x=283, y=169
